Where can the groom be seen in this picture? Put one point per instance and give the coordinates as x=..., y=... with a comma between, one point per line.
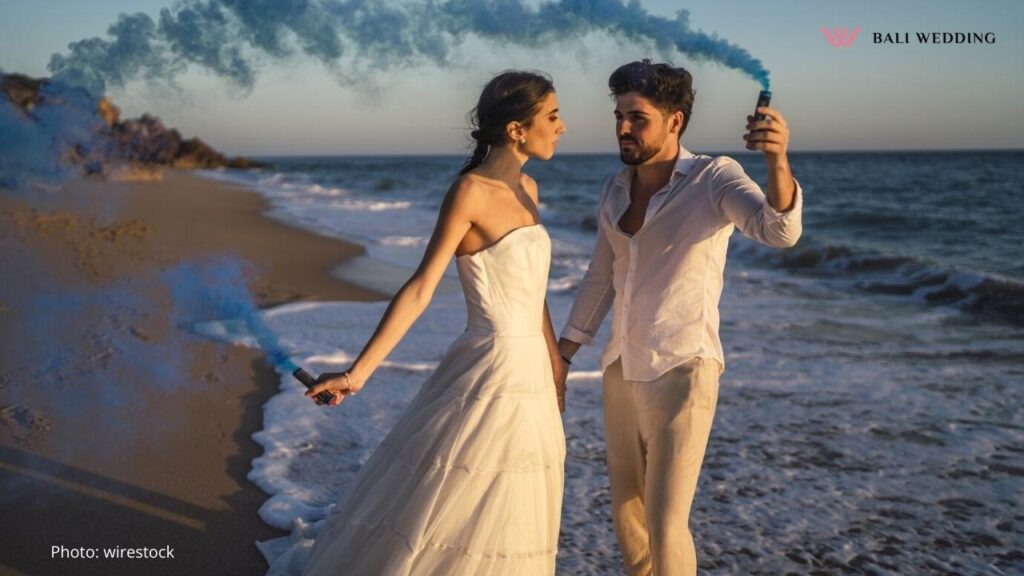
x=664, y=223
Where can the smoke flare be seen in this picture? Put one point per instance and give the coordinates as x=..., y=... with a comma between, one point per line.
x=230, y=37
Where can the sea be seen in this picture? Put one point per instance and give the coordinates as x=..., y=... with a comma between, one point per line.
x=871, y=416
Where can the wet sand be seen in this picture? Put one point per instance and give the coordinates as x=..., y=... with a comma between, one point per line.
x=119, y=429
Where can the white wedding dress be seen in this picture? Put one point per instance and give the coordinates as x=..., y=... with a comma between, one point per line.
x=470, y=479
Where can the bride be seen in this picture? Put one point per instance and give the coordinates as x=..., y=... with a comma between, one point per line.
x=470, y=479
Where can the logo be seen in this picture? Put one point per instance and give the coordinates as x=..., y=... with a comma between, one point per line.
x=840, y=38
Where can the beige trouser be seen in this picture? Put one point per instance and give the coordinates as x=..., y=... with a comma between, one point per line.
x=656, y=433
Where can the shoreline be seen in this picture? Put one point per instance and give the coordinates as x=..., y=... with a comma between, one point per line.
x=151, y=441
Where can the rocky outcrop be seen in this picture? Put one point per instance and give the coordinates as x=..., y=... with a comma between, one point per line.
x=88, y=132
x=146, y=141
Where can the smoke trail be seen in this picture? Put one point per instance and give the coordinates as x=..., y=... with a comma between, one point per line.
x=230, y=37
x=215, y=289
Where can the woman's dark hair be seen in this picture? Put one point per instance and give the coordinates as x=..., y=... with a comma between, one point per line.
x=667, y=87
x=512, y=96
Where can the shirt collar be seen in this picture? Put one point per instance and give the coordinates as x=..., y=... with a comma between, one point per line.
x=684, y=163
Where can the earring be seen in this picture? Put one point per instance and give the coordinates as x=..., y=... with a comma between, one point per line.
x=522, y=140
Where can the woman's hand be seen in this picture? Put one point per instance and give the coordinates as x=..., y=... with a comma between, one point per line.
x=561, y=373
x=338, y=384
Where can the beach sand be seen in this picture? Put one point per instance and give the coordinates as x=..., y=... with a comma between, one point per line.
x=99, y=447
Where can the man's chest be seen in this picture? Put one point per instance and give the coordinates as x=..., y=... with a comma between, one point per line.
x=666, y=220
x=633, y=218
x=638, y=207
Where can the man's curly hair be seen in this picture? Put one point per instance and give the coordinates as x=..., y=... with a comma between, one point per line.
x=667, y=87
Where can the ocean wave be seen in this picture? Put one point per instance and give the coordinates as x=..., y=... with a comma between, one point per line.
x=370, y=205
x=984, y=294
x=404, y=241
x=325, y=190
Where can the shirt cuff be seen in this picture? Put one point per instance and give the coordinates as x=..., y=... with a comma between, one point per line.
x=578, y=336
x=798, y=203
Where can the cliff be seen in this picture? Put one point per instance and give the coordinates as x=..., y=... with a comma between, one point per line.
x=86, y=132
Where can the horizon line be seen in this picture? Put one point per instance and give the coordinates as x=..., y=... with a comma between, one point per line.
x=612, y=153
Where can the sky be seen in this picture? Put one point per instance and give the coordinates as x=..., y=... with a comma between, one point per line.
x=864, y=97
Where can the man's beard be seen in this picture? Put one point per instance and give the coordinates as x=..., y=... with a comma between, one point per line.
x=638, y=154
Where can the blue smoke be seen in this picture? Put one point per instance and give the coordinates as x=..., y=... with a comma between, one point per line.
x=230, y=37
x=33, y=144
x=84, y=349
x=93, y=333
x=215, y=289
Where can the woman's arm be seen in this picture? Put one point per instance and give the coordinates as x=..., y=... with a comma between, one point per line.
x=454, y=220
x=558, y=368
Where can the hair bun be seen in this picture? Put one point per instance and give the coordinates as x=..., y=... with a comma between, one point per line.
x=475, y=134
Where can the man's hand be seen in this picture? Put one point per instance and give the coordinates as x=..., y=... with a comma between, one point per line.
x=770, y=135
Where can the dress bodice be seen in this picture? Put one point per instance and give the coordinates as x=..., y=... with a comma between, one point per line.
x=505, y=283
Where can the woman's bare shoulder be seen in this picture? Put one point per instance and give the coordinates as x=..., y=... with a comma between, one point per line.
x=466, y=193
x=529, y=185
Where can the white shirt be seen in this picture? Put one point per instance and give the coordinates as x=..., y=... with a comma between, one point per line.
x=665, y=281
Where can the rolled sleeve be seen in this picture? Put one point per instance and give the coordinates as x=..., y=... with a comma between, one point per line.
x=785, y=228
x=743, y=203
x=576, y=335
